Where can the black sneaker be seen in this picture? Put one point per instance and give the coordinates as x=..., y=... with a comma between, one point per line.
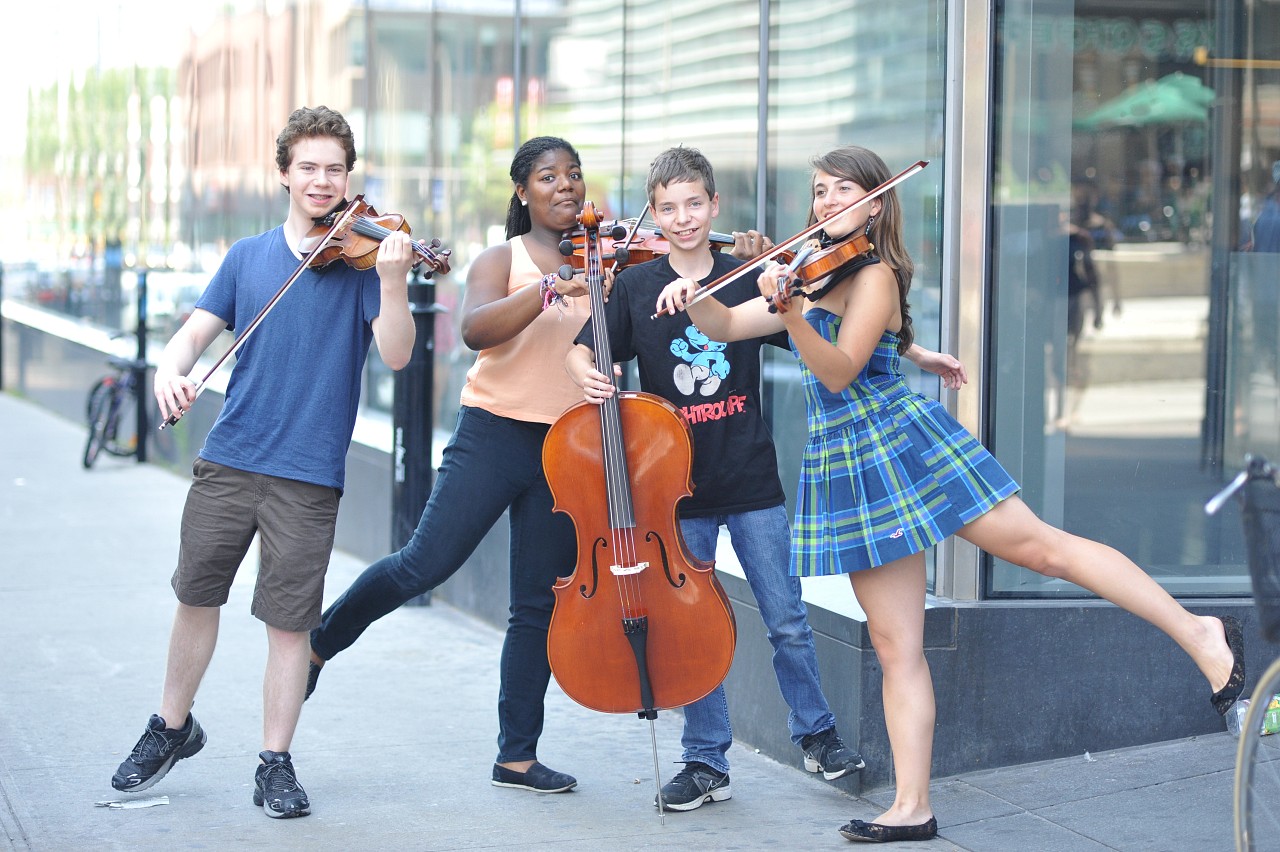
x=276, y=789
x=313, y=675
x=156, y=753
x=825, y=752
x=695, y=784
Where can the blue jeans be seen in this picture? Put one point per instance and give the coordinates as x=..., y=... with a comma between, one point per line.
x=762, y=540
x=490, y=465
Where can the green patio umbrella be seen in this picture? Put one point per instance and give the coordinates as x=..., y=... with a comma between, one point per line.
x=1191, y=88
x=1168, y=101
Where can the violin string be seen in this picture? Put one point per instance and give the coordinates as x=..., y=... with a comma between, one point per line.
x=369, y=228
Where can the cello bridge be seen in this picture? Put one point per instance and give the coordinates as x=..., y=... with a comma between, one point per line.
x=623, y=570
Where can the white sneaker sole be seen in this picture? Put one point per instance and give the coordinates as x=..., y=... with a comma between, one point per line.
x=717, y=795
x=812, y=765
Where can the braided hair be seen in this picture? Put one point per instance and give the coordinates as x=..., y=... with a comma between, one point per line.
x=518, y=221
x=865, y=168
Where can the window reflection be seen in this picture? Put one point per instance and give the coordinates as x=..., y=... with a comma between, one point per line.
x=1117, y=280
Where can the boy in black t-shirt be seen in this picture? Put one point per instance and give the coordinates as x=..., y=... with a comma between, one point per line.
x=735, y=470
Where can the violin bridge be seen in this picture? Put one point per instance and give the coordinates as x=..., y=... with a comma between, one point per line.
x=623, y=570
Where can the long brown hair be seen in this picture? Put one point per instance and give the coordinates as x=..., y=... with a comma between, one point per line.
x=867, y=170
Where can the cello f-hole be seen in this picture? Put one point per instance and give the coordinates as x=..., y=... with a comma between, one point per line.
x=595, y=569
x=652, y=535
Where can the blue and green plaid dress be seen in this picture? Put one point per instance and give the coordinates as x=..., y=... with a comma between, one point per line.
x=886, y=472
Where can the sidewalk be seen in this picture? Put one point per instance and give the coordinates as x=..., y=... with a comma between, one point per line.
x=396, y=745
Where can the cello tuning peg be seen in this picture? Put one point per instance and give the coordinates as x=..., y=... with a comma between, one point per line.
x=566, y=272
x=566, y=248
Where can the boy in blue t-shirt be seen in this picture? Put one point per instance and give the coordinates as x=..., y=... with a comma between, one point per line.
x=274, y=462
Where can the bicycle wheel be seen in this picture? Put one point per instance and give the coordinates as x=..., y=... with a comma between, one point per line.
x=121, y=435
x=100, y=388
x=1257, y=789
x=100, y=403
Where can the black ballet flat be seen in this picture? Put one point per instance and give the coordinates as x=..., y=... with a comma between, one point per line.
x=874, y=832
x=1224, y=698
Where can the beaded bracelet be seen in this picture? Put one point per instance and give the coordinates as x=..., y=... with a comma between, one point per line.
x=547, y=288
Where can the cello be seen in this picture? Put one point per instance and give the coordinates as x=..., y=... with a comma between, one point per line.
x=640, y=625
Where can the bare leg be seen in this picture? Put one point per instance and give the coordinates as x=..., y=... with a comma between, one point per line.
x=283, y=686
x=1012, y=532
x=191, y=644
x=892, y=595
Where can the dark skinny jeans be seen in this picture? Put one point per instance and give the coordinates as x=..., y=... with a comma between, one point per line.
x=490, y=465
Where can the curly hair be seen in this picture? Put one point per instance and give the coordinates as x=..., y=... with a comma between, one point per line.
x=312, y=123
x=865, y=168
x=518, y=221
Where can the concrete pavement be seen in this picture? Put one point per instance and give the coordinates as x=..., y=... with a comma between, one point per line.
x=396, y=746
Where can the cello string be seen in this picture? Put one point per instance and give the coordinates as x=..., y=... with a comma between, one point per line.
x=622, y=530
x=608, y=424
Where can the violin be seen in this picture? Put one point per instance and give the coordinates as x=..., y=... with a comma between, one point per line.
x=356, y=242
x=780, y=248
x=351, y=232
x=640, y=625
x=630, y=244
x=814, y=263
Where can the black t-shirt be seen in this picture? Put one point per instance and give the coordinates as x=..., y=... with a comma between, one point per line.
x=716, y=386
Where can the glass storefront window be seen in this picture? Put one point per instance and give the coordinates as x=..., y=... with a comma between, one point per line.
x=1123, y=388
x=875, y=77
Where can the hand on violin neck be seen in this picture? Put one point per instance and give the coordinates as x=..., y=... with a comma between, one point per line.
x=396, y=256
x=749, y=244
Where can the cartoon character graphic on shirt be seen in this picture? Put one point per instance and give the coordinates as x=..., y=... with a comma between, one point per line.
x=705, y=366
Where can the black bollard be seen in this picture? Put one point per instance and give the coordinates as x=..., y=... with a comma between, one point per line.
x=142, y=397
x=412, y=419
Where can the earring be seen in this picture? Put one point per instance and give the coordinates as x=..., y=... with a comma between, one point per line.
x=871, y=220
x=524, y=202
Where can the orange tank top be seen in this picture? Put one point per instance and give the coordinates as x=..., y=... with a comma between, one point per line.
x=525, y=378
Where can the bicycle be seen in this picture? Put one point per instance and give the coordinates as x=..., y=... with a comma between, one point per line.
x=1256, y=794
x=111, y=411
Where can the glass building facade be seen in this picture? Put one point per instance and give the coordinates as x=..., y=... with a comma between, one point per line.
x=1086, y=235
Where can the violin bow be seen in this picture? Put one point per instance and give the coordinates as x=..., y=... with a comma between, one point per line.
x=339, y=224
x=778, y=249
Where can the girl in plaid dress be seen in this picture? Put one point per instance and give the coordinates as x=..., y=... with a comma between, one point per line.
x=888, y=473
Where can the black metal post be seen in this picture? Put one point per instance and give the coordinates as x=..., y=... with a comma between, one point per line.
x=140, y=369
x=412, y=416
